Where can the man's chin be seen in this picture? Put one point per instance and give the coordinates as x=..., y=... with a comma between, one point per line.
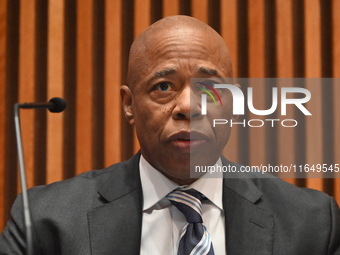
x=182, y=180
x=185, y=177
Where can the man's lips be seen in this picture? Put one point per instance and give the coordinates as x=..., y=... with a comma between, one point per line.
x=186, y=141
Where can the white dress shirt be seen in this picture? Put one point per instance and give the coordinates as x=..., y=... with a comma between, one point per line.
x=163, y=222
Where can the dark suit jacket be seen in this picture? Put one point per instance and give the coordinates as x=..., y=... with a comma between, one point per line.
x=100, y=212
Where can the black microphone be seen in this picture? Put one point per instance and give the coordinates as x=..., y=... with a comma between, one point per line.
x=56, y=104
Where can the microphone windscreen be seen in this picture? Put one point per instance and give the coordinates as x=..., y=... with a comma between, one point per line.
x=58, y=104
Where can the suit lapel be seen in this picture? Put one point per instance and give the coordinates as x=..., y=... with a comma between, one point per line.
x=115, y=226
x=249, y=228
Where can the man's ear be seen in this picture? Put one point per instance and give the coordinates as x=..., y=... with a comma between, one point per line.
x=126, y=95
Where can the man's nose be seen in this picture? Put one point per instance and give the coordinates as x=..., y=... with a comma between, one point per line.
x=187, y=105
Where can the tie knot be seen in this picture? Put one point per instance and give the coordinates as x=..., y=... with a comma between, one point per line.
x=189, y=203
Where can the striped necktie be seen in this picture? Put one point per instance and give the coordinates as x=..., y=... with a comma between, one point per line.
x=194, y=238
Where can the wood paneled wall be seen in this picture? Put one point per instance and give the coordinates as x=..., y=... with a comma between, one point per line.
x=78, y=50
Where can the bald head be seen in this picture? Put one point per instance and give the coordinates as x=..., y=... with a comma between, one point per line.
x=184, y=28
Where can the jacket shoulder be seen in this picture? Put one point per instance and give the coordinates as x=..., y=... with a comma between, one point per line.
x=85, y=182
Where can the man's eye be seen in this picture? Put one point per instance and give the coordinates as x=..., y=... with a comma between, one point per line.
x=163, y=86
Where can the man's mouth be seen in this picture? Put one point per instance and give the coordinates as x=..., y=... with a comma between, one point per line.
x=183, y=139
x=188, y=141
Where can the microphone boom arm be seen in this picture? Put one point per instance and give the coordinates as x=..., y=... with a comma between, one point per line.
x=27, y=214
x=56, y=104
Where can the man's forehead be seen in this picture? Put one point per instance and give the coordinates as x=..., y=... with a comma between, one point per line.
x=199, y=69
x=185, y=28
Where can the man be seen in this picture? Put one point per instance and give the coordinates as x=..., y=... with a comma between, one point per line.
x=131, y=207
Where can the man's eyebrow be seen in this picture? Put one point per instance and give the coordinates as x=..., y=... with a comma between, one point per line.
x=209, y=71
x=165, y=72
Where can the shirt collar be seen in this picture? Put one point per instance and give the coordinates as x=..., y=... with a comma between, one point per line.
x=156, y=186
